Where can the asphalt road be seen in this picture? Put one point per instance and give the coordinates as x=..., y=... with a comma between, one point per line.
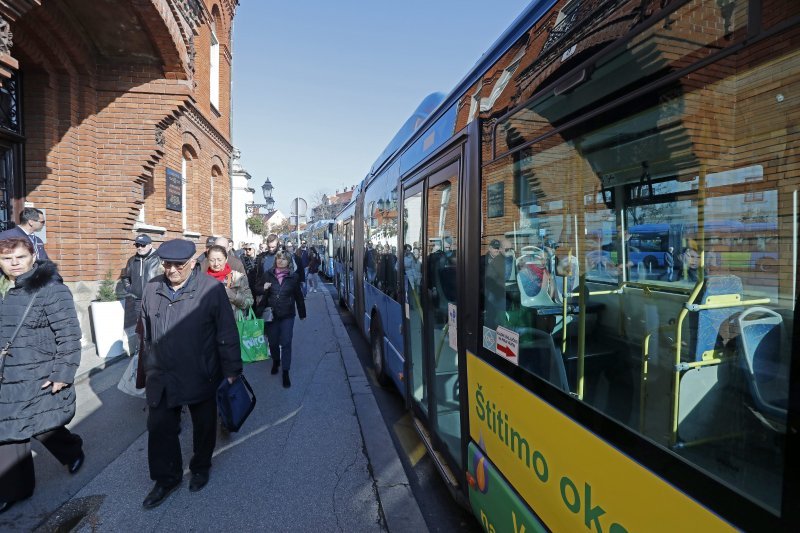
x=439, y=509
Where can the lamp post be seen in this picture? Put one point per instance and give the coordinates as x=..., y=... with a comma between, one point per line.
x=267, y=189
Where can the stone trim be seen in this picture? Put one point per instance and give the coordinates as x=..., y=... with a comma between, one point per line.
x=147, y=228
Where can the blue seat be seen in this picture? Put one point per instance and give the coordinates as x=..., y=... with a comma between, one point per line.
x=766, y=363
x=709, y=323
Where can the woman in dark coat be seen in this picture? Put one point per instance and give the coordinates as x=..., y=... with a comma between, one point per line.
x=36, y=397
x=283, y=292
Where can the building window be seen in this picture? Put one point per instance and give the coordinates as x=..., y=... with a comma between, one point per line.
x=505, y=77
x=475, y=103
x=214, y=74
x=184, y=181
x=140, y=219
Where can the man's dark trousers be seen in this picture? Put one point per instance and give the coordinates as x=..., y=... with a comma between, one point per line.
x=163, y=446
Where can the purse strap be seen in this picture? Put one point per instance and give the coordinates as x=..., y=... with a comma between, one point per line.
x=5, y=351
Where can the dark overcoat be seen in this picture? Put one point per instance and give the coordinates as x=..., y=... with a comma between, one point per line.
x=191, y=341
x=47, y=348
x=282, y=297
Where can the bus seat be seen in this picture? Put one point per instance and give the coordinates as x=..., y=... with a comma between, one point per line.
x=533, y=281
x=713, y=324
x=766, y=364
x=538, y=355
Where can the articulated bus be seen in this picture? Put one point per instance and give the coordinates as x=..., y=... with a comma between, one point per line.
x=491, y=257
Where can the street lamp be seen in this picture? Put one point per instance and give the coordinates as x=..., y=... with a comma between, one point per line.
x=269, y=204
x=268, y=200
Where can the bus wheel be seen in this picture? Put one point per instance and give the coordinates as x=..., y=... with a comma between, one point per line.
x=378, y=359
x=650, y=262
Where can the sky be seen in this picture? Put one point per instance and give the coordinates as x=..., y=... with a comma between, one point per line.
x=320, y=87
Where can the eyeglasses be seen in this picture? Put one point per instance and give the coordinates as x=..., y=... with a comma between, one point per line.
x=139, y=245
x=174, y=264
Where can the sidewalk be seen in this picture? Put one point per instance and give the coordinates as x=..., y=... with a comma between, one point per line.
x=316, y=456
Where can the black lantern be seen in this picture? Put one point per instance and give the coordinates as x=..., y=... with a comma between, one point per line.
x=268, y=200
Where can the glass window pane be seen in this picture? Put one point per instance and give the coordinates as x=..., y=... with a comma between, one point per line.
x=668, y=226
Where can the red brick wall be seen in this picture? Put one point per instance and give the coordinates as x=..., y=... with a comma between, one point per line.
x=91, y=125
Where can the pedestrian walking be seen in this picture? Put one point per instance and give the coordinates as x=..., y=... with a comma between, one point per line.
x=669, y=261
x=143, y=266
x=31, y=220
x=314, y=263
x=282, y=292
x=236, y=285
x=233, y=261
x=191, y=342
x=249, y=261
x=38, y=319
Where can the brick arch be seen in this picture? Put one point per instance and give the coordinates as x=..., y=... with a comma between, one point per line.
x=218, y=162
x=218, y=22
x=191, y=141
x=167, y=35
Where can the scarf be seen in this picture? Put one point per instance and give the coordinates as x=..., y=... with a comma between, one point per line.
x=281, y=274
x=221, y=275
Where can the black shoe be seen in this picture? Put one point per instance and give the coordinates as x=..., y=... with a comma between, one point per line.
x=76, y=465
x=286, y=382
x=198, y=481
x=276, y=364
x=157, y=496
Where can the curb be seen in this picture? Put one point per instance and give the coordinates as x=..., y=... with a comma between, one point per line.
x=400, y=507
x=85, y=374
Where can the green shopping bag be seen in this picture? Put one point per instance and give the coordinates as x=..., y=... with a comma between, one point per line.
x=251, y=337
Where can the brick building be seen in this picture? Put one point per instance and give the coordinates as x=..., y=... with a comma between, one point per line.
x=115, y=121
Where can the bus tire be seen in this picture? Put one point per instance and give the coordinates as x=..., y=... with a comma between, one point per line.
x=650, y=262
x=378, y=357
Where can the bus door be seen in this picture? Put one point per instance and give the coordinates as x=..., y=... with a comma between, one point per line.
x=431, y=235
x=348, y=262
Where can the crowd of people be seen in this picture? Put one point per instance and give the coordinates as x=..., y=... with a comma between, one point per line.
x=186, y=306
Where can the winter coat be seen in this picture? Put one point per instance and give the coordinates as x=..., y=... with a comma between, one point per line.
x=190, y=343
x=282, y=297
x=140, y=270
x=234, y=262
x=47, y=348
x=313, y=264
x=238, y=290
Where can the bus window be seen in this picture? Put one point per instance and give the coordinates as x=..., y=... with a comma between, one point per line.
x=670, y=237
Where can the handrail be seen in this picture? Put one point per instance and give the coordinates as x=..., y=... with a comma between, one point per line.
x=725, y=305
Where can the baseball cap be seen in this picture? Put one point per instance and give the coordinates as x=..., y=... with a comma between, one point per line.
x=495, y=244
x=142, y=239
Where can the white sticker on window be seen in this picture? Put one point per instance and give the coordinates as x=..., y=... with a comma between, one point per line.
x=508, y=344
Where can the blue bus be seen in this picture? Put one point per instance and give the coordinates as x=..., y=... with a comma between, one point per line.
x=558, y=387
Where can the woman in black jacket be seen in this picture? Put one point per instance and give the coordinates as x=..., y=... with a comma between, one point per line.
x=36, y=397
x=282, y=292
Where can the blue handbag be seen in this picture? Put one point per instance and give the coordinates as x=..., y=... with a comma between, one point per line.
x=235, y=402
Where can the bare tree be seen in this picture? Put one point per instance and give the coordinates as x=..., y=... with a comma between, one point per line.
x=321, y=208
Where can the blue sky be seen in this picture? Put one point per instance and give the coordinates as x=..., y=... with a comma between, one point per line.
x=321, y=86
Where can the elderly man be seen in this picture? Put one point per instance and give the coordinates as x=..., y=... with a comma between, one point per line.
x=191, y=342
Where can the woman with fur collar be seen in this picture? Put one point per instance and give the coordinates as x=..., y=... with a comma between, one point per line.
x=36, y=394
